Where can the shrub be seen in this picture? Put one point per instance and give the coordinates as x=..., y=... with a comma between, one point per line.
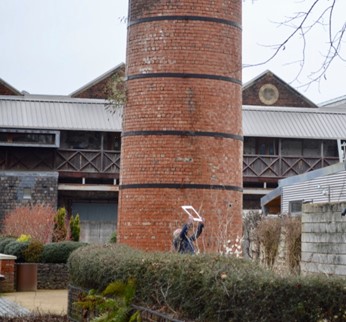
x=36, y=221
x=59, y=229
x=268, y=233
x=113, y=238
x=75, y=228
x=32, y=254
x=210, y=287
x=23, y=238
x=293, y=228
x=59, y=252
x=16, y=248
x=3, y=243
x=113, y=304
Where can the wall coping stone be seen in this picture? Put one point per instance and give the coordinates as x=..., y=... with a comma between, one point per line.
x=5, y=256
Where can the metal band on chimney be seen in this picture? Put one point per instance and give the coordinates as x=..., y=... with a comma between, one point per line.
x=184, y=133
x=185, y=18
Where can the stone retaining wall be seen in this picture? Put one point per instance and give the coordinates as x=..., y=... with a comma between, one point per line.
x=52, y=276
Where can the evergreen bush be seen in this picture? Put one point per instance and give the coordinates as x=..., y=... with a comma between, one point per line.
x=16, y=248
x=210, y=287
x=59, y=252
x=59, y=228
x=3, y=243
x=75, y=228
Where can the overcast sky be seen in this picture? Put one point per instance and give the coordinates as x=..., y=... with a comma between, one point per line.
x=57, y=46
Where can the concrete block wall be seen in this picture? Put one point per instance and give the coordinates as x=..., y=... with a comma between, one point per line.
x=324, y=239
x=14, y=185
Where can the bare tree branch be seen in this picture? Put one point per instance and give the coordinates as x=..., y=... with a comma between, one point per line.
x=320, y=14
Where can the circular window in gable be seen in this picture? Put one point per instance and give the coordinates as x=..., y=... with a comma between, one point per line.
x=268, y=94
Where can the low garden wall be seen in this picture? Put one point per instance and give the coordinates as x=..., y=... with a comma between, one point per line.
x=52, y=276
x=324, y=239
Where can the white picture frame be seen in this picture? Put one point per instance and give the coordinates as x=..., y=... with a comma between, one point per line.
x=192, y=212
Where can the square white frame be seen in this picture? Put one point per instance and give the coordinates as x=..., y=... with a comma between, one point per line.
x=192, y=213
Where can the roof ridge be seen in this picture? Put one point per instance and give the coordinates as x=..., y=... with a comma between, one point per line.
x=53, y=99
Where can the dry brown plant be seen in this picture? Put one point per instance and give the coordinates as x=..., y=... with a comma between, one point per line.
x=268, y=232
x=36, y=221
x=293, y=242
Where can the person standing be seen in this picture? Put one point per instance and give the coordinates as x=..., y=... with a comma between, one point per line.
x=182, y=242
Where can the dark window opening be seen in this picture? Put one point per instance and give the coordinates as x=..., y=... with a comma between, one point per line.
x=29, y=138
x=295, y=206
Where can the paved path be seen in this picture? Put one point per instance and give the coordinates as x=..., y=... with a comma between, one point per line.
x=43, y=301
x=9, y=308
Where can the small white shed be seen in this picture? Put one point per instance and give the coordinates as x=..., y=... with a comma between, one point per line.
x=323, y=185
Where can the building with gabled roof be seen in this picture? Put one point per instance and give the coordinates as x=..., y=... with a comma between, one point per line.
x=7, y=89
x=268, y=89
x=65, y=150
x=101, y=87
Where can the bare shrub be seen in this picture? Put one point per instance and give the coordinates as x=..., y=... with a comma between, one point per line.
x=268, y=233
x=251, y=244
x=293, y=242
x=36, y=221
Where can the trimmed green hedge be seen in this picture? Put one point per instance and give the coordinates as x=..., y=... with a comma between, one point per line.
x=210, y=287
x=3, y=243
x=50, y=253
x=59, y=252
x=16, y=248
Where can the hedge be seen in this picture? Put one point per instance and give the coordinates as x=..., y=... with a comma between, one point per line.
x=16, y=248
x=51, y=252
x=59, y=252
x=210, y=287
x=3, y=243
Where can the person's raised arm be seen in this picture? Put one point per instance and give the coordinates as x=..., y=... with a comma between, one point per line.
x=199, y=230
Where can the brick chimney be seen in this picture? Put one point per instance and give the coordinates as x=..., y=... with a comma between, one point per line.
x=182, y=133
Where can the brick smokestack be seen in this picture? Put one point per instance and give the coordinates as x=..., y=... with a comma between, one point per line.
x=182, y=134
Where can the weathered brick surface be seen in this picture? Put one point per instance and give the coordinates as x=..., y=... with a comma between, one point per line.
x=147, y=216
x=7, y=268
x=43, y=185
x=287, y=95
x=184, y=104
x=101, y=88
x=4, y=90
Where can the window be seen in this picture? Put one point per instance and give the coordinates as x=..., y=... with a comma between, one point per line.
x=29, y=138
x=295, y=206
x=291, y=147
x=81, y=140
x=312, y=148
x=249, y=145
x=330, y=148
x=266, y=146
x=27, y=193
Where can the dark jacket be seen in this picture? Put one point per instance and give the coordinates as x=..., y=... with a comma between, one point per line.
x=184, y=243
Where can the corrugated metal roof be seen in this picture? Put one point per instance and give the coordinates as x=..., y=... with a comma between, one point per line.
x=313, y=123
x=335, y=102
x=57, y=113
x=66, y=113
